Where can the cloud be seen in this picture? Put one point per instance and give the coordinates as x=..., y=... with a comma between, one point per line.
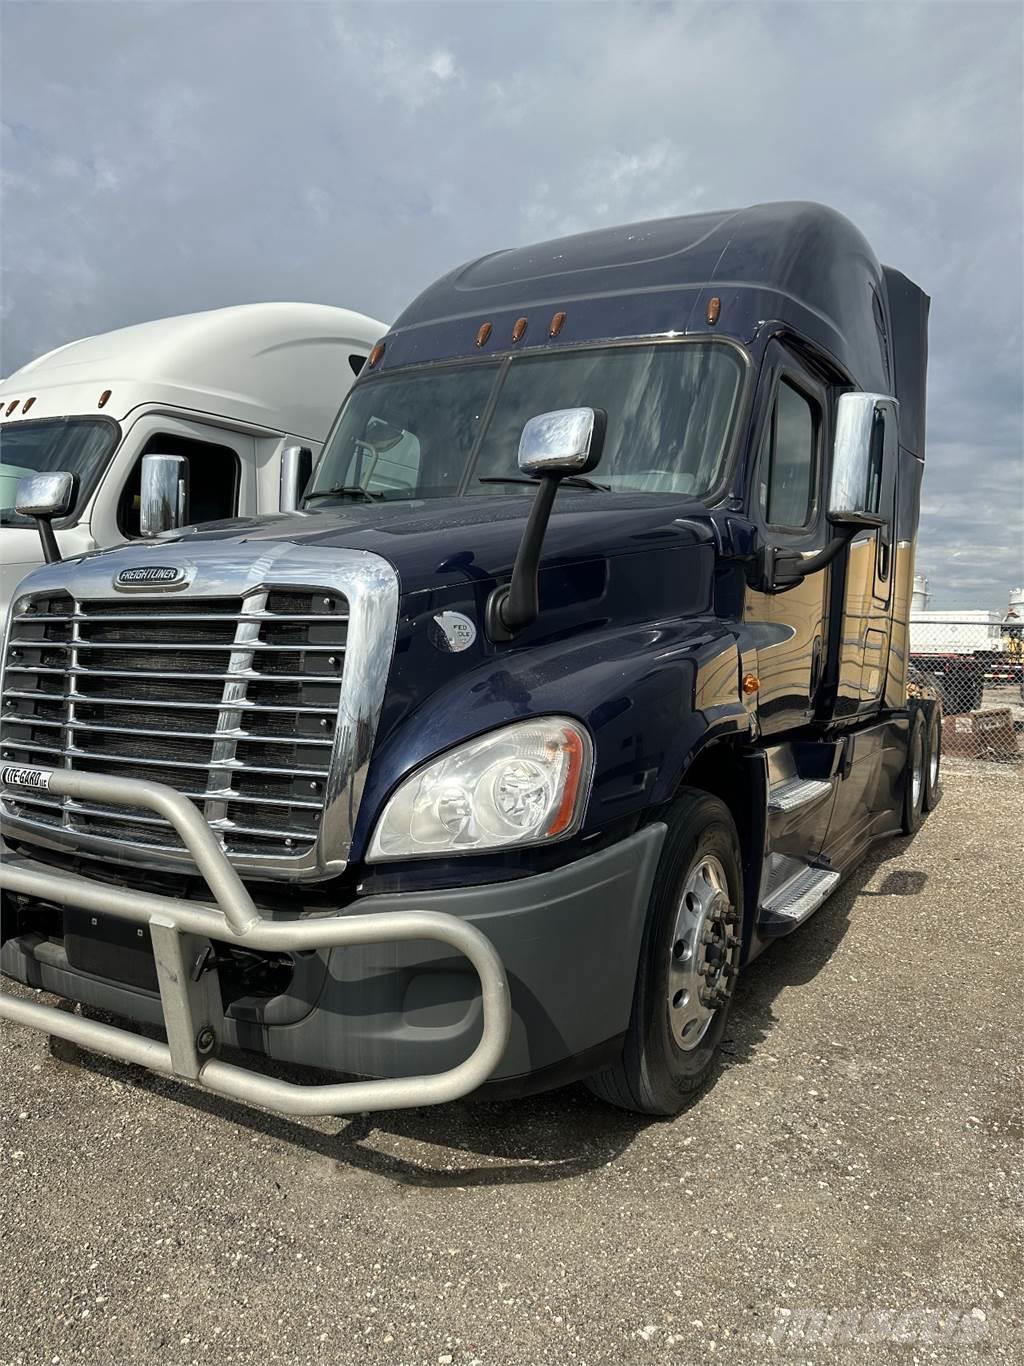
x=164, y=157
x=402, y=72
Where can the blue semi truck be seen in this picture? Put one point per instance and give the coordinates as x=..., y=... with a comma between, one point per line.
x=578, y=677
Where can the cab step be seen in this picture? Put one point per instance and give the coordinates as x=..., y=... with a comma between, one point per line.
x=792, y=793
x=795, y=891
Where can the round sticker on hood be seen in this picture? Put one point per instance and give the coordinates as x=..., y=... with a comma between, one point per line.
x=452, y=632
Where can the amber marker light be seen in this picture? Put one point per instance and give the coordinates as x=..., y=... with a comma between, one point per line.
x=375, y=355
x=11, y=406
x=483, y=334
x=103, y=399
x=518, y=329
x=751, y=683
x=27, y=404
x=572, y=746
x=714, y=308
x=557, y=323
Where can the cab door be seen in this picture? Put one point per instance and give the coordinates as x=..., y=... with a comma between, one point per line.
x=787, y=502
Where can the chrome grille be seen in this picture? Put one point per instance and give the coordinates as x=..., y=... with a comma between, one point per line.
x=234, y=701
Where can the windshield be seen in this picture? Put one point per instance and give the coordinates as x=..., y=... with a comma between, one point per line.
x=450, y=431
x=80, y=445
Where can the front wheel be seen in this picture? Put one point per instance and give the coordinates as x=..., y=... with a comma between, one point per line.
x=688, y=963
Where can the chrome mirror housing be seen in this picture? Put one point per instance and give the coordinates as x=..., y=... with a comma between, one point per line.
x=867, y=434
x=163, y=502
x=296, y=467
x=45, y=495
x=565, y=441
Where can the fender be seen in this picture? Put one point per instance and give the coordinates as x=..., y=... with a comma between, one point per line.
x=651, y=692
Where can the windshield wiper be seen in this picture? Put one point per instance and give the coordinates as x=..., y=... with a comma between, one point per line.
x=344, y=491
x=576, y=481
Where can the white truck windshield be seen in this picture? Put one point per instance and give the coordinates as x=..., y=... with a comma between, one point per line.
x=80, y=445
x=452, y=430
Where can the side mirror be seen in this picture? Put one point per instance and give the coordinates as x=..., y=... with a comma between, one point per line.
x=566, y=441
x=43, y=497
x=296, y=468
x=163, y=502
x=867, y=432
x=553, y=446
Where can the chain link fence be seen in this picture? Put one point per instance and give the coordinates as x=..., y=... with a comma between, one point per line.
x=974, y=664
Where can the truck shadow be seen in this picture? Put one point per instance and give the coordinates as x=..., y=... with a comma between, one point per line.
x=797, y=958
x=550, y=1137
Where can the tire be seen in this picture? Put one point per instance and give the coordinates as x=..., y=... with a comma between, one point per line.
x=914, y=773
x=933, y=760
x=693, y=920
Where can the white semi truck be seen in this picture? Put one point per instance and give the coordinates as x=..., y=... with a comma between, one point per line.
x=241, y=396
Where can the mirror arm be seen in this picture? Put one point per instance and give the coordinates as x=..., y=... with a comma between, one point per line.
x=514, y=605
x=785, y=568
x=51, y=551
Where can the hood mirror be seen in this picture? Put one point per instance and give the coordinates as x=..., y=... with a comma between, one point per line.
x=43, y=497
x=553, y=447
x=163, y=500
x=565, y=441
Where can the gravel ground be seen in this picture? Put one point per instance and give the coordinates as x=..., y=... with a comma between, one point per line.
x=859, y=1153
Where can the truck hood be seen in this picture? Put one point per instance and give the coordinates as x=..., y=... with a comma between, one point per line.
x=438, y=541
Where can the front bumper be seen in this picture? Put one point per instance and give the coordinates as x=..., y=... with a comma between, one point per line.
x=386, y=990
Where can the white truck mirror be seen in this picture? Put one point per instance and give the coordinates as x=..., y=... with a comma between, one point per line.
x=163, y=502
x=296, y=468
x=43, y=497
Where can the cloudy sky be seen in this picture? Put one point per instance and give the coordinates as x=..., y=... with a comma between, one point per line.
x=161, y=158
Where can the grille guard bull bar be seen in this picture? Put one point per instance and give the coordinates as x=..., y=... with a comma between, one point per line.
x=192, y=1008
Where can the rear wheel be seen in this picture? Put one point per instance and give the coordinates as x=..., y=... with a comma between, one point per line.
x=914, y=775
x=933, y=760
x=688, y=963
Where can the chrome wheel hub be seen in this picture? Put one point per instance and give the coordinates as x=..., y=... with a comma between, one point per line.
x=704, y=952
x=917, y=773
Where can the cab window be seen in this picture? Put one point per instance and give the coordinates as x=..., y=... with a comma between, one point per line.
x=213, y=475
x=789, y=471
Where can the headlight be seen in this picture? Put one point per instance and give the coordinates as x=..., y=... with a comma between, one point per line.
x=523, y=784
